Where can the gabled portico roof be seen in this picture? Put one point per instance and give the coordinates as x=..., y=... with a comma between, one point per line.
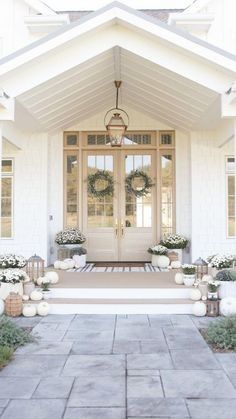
x=68, y=74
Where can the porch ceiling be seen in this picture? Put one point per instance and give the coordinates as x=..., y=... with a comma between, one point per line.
x=88, y=89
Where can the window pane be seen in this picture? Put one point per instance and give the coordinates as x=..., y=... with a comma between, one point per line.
x=167, y=193
x=7, y=166
x=71, y=191
x=166, y=138
x=231, y=204
x=71, y=140
x=6, y=207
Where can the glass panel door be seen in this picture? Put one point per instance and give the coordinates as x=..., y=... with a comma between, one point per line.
x=100, y=213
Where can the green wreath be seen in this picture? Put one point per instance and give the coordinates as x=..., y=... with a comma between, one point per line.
x=147, y=183
x=94, y=179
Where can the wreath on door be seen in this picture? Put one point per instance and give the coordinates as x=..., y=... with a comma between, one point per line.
x=138, y=191
x=100, y=184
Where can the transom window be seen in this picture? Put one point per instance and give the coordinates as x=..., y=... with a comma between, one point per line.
x=6, y=220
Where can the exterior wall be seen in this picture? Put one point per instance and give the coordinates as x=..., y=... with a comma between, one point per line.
x=208, y=188
x=30, y=193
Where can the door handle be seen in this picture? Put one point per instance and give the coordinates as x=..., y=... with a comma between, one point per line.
x=122, y=227
x=116, y=227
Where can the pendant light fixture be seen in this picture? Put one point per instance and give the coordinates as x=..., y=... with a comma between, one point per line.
x=116, y=127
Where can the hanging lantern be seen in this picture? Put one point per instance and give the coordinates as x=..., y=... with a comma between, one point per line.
x=116, y=127
x=35, y=267
x=201, y=267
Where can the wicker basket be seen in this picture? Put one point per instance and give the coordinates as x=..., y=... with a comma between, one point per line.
x=13, y=305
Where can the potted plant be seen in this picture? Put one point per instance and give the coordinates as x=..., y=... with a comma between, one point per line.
x=159, y=257
x=213, y=286
x=70, y=237
x=79, y=257
x=189, y=272
x=176, y=243
x=217, y=262
x=12, y=280
x=227, y=278
x=45, y=288
x=12, y=261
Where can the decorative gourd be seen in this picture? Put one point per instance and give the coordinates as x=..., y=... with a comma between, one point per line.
x=39, y=281
x=29, y=310
x=228, y=306
x=163, y=261
x=176, y=264
x=1, y=307
x=52, y=276
x=70, y=263
x=195, y=294
x=207, y=278
x=199, y=309
x=57, y=264
x=25, y=297
x=64, y=266
x=36, y=295
x=179, y=278
x=43, y=308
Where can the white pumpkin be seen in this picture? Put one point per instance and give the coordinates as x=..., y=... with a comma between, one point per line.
x=43, y=308
x=176, y=264
x=25, y=297
x=64, y=266
x=207, y=278
x=195, y=294
x=228, y=306
x=29, y=310
x=57, y=264
x=70, y=263
x=179, y=278
x=163, y=262
x=199, y=309
x=52, y=276
x=39, y=281
x=36, y=295
x=1, y=307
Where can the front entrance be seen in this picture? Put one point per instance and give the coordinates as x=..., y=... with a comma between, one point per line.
x=119, y=227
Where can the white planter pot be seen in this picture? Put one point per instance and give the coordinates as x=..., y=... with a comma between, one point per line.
x=72, y=246
x=179, y=252
x=46, y=294
x=227, y=289
x=6, y=288
x=155, y=260
x=80, y=261
x=203, y=288
x=189, y=280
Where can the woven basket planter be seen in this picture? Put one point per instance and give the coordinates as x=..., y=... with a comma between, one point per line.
x=13, y=305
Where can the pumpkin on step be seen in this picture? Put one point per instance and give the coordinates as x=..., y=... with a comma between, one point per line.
x=29, y=310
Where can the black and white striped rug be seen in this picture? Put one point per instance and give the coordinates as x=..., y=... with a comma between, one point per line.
x=91, y=267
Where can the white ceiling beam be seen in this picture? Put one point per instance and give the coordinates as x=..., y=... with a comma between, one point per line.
x=40, y=7
x=155, y=104
x=165, y=98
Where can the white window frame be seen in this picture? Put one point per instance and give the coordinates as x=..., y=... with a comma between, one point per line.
x=11, y=175
x=227, y=174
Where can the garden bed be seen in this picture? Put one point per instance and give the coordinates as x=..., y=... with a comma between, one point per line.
x=221, y=335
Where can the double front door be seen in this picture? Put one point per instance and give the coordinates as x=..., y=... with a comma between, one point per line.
x=121, y=226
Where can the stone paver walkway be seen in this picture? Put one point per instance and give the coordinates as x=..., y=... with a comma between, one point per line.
x=117, y=367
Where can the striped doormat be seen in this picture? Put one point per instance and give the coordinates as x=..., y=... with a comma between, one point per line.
x=91, y=267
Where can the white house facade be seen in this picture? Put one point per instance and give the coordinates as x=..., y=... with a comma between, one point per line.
x=178, y=70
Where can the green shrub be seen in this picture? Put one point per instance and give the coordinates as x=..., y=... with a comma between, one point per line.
x=11, y=335
x=222, y=334
x=5, y=355
x=226, y=275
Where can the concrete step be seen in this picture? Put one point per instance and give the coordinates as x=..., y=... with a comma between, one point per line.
x=119, y=306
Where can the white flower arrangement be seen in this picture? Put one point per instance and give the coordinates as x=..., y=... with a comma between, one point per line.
x=188, y=269
x=213, y=285
x=12, y=261
x=174, y=241
x=158, y=250
x=220, y=261
x=70, y=236
x=13, y=276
